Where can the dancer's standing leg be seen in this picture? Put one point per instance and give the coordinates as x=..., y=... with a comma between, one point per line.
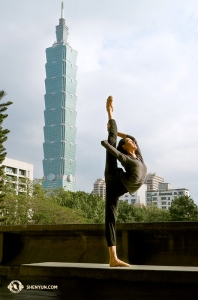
x=111, y=192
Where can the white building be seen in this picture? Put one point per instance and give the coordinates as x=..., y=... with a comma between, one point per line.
x=17, y=172
x=152, y=181
x=100, y=187
x=138, y=197
x=163, y=197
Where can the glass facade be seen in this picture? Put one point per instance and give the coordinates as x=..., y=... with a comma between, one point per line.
x=60, y=115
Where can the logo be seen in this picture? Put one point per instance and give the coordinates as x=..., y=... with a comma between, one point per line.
x=15, y=286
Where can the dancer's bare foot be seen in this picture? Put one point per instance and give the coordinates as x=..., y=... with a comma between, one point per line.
x=109, y=107
x=114, y=261
x=109, y=103
x=118, y=263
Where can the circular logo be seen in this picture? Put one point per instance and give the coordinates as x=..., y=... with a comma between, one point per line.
x=70, y=178
x=15, y=286
x=51, y=177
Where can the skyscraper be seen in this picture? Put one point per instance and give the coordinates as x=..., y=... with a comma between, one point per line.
x=152, y=181
x=100, y=187
x=60, y=115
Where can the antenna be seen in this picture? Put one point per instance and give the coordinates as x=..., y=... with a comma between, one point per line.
x=62, y=10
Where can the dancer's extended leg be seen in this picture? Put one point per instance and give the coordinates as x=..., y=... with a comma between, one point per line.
x=113, y=190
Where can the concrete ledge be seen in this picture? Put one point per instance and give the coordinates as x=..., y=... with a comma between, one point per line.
x=162, y=243
x=75, y=258
x=86, y=281
x=9, y=271
x=175, y=226
x=155, y=274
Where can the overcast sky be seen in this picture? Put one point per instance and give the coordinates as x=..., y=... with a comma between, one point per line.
x=143, y=52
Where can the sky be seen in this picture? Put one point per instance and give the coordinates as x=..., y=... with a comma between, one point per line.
x=143, y=52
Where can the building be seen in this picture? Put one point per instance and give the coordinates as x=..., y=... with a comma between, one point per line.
x=138, y=197
x=152, y=181
x=100, y=187
x=17, y=172
x=163, y=197
x=59, y=146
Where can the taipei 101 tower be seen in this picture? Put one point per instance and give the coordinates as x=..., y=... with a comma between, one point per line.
x=60, y=115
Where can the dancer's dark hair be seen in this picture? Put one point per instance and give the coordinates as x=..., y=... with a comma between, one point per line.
x=120, y=144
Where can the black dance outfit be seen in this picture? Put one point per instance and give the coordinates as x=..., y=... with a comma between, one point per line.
x=117, y=181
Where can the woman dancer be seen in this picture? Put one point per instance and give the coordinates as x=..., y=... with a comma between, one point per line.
x=118, y=181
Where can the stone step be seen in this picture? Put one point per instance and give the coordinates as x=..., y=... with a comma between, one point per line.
x=86, y=281
x=135, y=273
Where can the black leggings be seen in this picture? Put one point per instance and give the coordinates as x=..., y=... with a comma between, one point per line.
x=114, y=187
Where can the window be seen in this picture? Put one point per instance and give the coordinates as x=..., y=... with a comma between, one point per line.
x=22, y=172
x=11, y=170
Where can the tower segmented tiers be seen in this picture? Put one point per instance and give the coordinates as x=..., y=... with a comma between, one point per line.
x=60, y=115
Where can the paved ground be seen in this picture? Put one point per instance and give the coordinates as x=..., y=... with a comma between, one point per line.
x=100, y=282
x=134, y=273
x=106, y=266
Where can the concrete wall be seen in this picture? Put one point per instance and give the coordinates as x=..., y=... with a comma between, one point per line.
x=168, y=244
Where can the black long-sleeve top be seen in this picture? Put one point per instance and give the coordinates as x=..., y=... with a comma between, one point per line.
x=135, y=168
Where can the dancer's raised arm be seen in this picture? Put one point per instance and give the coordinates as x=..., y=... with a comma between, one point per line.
x=122, y=135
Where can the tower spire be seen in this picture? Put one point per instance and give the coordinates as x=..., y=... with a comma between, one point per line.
x=62, y=10
x=62, y=29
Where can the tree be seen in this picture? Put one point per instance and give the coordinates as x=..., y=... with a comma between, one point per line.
x=155, y=214
x=183, y=208
x=38, y=208
x=3, y=138
x=93, y=206
x=138, y=213
x=128, y=213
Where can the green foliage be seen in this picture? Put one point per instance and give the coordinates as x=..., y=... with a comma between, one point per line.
x=128, y=213
x=35, y=207
x=46, y=211
x=155, y=214
x=3, y=138
x=92, y=206
x=183, y=208
x=136, y=213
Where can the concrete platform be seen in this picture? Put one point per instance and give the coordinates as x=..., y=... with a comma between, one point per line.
x=100, y=282
x=164, y=259
x=162, y=243
x=168, y=274
x=87, y=281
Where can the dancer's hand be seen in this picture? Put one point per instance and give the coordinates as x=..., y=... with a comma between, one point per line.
x=108, y=126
